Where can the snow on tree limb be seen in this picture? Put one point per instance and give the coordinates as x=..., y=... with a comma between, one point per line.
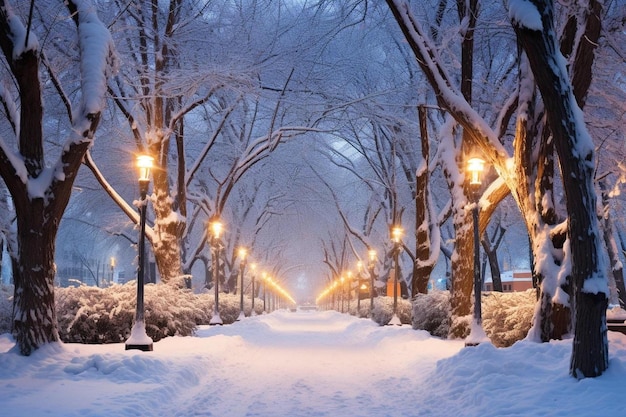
x=98, y=59
x=447, y=95
x=21, y=43
x=523, y=13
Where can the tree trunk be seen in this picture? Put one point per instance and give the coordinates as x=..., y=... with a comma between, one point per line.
x=494, y=267
x=168, y=225
x=423, y=266
x=34, y=320
x=575, y=150
x=617, y=268
x=462, y=277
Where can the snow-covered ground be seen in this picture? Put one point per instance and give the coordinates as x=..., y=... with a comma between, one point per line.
x=307, y=364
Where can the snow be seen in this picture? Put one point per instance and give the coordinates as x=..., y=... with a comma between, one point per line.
x=97, y=57
x=307, y=364
x=138, y=335
x=525, y=14
x=18, y=34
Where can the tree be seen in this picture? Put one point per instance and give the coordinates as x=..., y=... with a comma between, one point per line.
x=590, y=354
x=40, y=192
x=532, y=176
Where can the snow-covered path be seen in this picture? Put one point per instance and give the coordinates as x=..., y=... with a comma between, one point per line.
x=322, y=364
x=302, y=364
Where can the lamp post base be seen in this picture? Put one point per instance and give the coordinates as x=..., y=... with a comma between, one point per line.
x=477, y=335
x=395, y=321
x=216, y=320
x=242, y=316
x=142, y=347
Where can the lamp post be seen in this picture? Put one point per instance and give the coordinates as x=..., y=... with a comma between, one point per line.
x=359, y=269
x=242, y=266
x=138, y=337
x=253, y=271
x=349, y=285
x=264, y=288
x=475, y=167
x=343, y=288
x=372, y=257
x=112, y=264
x=396, y=236
x=216, y=230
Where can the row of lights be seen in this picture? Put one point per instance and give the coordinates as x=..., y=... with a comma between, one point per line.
x=361, y=286
x=216, y=228
x=397, y=233
x=475, y=168
x=139, y=339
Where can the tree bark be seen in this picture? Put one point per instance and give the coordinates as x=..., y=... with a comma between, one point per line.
x=422, y=267
x=575, y=150
x=39, y=208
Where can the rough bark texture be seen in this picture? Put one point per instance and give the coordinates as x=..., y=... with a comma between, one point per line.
x=38, y=216
x=422, y=267
x=590, y=346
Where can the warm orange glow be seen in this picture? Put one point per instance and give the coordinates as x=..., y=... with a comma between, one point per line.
x=372, y=255
x=242, y=252
x=475, y=167
x=145, y=164
x=396, y=234
x=216, y=228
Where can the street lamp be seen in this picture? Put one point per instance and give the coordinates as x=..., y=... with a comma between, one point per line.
x=372, y=257
x=139, y=339
x=349, y=285
x=242, y=266
x=264, y=275
x=343, y=288
x=475, y=167
x=396, y=237
x=216, y=230
x=112, y=264
x=253, y=272
x=359, y=269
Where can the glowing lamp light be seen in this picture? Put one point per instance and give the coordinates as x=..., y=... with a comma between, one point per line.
x=145, y=164
x=372, y=255
x=396, y=234
x=242, y=252
x=475, y=167
x=216, y=228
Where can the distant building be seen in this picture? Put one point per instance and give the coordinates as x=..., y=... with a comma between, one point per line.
x=513, y=281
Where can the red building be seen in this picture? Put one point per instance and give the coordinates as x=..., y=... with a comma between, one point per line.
x=513, y=281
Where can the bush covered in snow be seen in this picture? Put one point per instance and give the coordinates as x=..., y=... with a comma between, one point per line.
x=431, y=312
x=6, y=308
x=507, y=317
x=229, y=306
x=88, y=314
x=383, y=310
x=105, y=315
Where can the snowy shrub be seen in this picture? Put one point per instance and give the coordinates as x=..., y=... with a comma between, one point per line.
x=6, y=308
x=363, y=310
x=383, y=310
x=230, y=305
x=105, y=315
x=507, y=317
x=431, y=312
